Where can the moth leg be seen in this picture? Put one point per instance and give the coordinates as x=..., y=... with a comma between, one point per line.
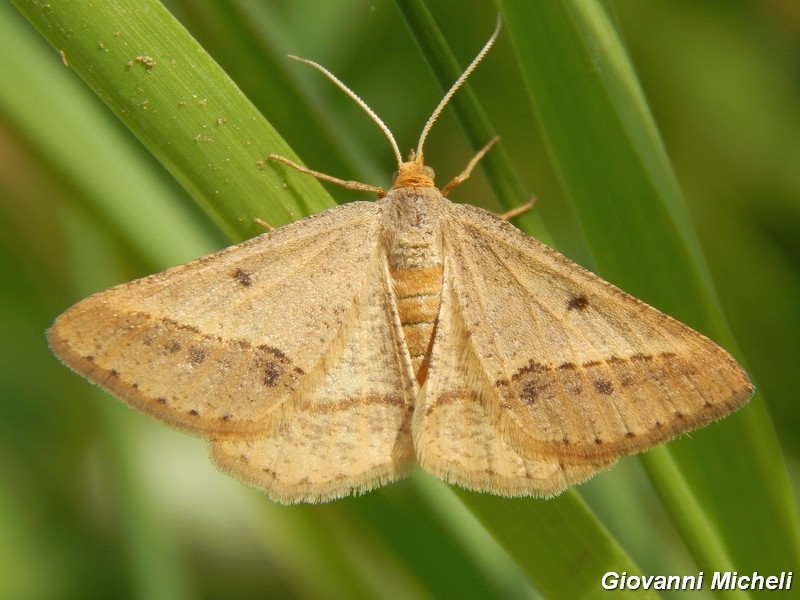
x=263, y=224
x=350, y=185
x=515, y=212
x=461, y=177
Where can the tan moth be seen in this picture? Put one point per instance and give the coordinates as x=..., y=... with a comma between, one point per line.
x=335, y=354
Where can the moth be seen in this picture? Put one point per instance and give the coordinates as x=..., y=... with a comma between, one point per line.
x=335, y=354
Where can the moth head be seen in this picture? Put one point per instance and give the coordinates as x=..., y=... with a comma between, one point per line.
x=413, y=173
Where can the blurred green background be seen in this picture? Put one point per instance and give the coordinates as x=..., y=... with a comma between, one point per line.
x=98, y=501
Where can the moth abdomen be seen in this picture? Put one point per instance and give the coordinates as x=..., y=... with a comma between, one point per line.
x=418, y=292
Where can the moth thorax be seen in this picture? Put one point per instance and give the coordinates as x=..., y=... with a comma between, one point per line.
x=416, y=272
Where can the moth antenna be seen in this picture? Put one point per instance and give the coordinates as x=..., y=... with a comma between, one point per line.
x=359, y=101
x=454, y=88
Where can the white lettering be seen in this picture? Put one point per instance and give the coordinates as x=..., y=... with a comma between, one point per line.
x=658, y=583
x=610, y=580
x=680, y=584
x=757, y=580
x=721, y=581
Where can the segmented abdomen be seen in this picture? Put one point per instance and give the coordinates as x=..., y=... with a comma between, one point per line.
x=416, y=272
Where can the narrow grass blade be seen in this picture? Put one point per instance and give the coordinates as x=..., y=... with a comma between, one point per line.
x=172, y=95
x=612, y=164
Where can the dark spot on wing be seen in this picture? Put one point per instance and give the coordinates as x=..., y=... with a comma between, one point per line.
x=530, y=392
x=579, y=302
x=242, y=277
x=604, y=386
x=197, y=356
x=272, y=372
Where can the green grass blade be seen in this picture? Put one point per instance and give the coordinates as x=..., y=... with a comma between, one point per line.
x=615, y=171
x=183, y=107
x=250, y=41
x=559, y=543
x=565, y=530
x=125, y=193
